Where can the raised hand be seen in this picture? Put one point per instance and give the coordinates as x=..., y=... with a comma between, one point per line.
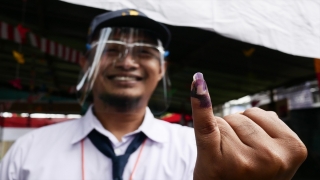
x=253, y=145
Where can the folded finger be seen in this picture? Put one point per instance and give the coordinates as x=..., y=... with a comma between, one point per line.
x=248, y=131
x=269, y=122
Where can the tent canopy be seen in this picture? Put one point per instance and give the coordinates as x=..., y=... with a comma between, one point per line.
x=288, y=26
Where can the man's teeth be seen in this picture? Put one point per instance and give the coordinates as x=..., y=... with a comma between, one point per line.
x=124, y=78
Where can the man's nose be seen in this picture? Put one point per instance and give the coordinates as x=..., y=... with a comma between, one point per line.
x=127, y=62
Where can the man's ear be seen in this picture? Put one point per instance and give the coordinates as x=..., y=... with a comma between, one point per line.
x=83, y=62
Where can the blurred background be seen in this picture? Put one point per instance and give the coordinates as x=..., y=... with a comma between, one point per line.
x=41, y=42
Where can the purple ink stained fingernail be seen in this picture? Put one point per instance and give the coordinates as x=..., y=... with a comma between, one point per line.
x=199, y=83
x=199, y=90
x=197, y=75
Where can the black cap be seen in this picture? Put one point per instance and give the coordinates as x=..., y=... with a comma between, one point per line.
x=129, y=18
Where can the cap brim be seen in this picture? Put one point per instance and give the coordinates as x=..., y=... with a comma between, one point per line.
x=139, y=22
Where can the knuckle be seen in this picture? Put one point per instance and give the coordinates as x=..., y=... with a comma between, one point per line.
x=246, y=164
x=282, y=165
x=207, y=128
x=219, y=120
x=290, y=159
x=246, y=128
x=270, y=155
x=303, y=152
x=274, y=161
x=287, y=156
x=241, y=125
x=231, y=117
x=278, y=164
x=252, y=110
x=273, y=114
x=297, y=150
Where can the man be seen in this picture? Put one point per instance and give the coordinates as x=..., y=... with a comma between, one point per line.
x=118, y=137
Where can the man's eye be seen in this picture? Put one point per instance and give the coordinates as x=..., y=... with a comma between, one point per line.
x=111, y=51
x=145, y=52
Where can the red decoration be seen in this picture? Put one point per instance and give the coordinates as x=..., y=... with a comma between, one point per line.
x=254, y=103
x=16, y=83
x=22, y=122
x=317, y=70
x=22, y=31
x=172, y=117
x=53, y=48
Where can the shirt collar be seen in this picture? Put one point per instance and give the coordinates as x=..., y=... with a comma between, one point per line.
x=150, y=126
x=84, y=126
x=153, y=128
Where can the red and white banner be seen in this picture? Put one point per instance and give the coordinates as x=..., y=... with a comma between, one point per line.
x=15, y=127
x=9, y=32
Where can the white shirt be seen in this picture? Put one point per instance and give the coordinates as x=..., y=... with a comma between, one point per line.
x=54, y=152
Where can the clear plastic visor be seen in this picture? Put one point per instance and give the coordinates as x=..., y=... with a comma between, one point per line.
x=113, y=49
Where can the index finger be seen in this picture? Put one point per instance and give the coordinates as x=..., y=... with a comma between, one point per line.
x=270, y=122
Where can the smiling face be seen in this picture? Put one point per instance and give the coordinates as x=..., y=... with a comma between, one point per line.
x=129, y=68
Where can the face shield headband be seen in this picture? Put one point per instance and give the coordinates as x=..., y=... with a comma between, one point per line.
x=113, y=46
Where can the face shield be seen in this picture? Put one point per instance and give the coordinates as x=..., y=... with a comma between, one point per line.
x=125, y=66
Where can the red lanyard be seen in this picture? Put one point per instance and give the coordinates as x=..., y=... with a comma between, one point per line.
x=82, y=159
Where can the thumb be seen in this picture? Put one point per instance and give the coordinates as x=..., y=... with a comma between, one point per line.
x=205, y=124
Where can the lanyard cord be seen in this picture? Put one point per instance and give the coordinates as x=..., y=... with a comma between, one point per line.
x=135, y=165
x=82, y=159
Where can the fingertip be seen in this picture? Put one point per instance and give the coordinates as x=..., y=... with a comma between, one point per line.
x=197, y=75
x=199, y=91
